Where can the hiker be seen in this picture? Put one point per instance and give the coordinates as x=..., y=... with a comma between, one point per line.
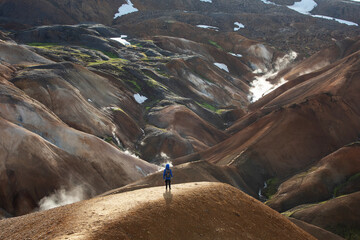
x=167, y=176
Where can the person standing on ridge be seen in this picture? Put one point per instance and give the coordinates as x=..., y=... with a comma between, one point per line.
x=167, y=176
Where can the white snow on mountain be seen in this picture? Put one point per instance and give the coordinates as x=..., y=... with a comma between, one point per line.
x=140, y=99
x=222, y=66
x=126, y=8
x=235, y=54
x=306, y=6
x=238, y=26
x=268, y=2
x=122, y=40
x=208, y=27
x=337, y=20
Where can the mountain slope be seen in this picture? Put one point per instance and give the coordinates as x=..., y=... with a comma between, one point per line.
x=185, y=212
x=323, y=181
x=339, y=215
x=322, y=111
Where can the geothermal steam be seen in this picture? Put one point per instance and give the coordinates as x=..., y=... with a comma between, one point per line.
x=260, y=86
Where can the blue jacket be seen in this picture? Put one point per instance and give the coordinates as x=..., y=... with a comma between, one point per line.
x=164, y=175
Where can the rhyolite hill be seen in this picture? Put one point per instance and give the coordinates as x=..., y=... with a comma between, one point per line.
x=76, y=105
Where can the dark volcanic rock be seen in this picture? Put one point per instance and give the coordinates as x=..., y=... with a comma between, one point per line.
x=91, y=36
x=22, y=14
x=346, y=10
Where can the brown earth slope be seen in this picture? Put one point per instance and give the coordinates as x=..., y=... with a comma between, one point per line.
x=189, y=211
x=199, y=171
x=317, y=232
x=39, y=152
x=339, y=215
x=295, y=129
x=319, y=183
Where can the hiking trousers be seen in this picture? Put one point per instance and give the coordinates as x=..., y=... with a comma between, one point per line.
x=168, y=182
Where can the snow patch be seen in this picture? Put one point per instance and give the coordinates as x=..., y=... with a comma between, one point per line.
x=306, y=6
x=122, y=40
x=62, y=197
x=238, y=26
x=337, y=20
x=126, y=8
x=89, y=100
x=235, y=54
x=208, y=27
x=222, y=66
x=140, y=99
x=268, y=2
x=209, y=1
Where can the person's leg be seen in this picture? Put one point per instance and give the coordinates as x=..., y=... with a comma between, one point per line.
x=166, y=183
x=170, y=184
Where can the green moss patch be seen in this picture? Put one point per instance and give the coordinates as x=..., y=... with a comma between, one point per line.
x=134, y=85
x=207, y=106
x=272, y=186
x=347, y=232
x=353, y=178
x=117, y=62
x=43, y=45
x=110, y=54
x=215, y=44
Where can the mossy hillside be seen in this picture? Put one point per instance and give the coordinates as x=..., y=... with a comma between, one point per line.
x=116, y=62
x=69, y=53
x=43, y=45
x=272, y=187
x=290, y=212
x=350, y=180
x=347, y=232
